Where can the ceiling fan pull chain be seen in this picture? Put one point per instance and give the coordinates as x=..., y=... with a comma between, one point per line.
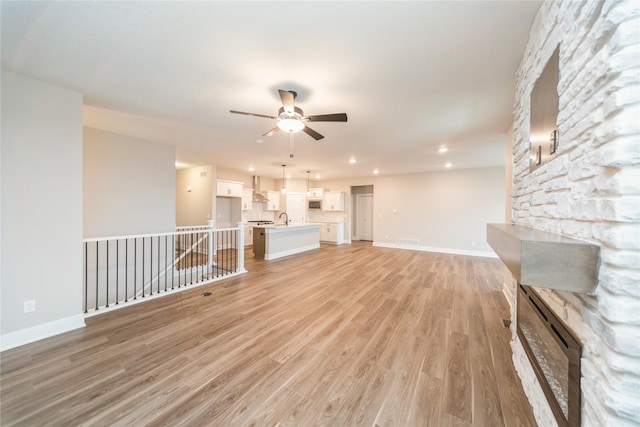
x=291, y=145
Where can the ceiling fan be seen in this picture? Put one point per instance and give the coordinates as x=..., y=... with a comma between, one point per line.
x=291, y=119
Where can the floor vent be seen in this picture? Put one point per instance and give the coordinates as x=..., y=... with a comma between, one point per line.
x=408, y=242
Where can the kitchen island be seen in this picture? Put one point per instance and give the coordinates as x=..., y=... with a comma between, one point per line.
x=274, y=241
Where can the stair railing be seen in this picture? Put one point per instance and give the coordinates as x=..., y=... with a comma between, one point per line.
x=126, y=269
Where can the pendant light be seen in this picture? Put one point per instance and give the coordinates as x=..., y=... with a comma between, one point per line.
x=284, y=183
x=308, y=189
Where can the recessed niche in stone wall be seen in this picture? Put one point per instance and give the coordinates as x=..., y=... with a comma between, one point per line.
x=544, y=137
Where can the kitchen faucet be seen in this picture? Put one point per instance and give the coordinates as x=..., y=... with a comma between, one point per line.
x=286, y=217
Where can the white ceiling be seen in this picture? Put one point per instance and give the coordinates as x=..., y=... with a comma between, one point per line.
x=412, y=76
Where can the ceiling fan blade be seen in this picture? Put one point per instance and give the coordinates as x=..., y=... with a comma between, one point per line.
x=252, y=114
x=287, y=100
x=312, y=133
x=338, y=117
x=272, y=131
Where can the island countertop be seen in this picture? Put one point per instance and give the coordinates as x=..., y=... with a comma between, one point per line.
x=283, y=227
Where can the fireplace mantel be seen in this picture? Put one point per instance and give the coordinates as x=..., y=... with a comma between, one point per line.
x=547, y=260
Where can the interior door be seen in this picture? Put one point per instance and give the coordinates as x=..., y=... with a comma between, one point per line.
x=295, y=207
x=364, y=221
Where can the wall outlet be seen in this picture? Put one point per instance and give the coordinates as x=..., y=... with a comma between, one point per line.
x=473, y=243
x=29, y=306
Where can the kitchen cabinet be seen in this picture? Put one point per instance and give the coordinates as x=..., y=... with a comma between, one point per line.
x=228, y=188
x=315, y=193
x=274, y=201
x=333, y=201
x=248, y=236
x=247, y=199
x=332, y=232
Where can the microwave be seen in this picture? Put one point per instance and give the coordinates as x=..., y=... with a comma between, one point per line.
x=314, y=205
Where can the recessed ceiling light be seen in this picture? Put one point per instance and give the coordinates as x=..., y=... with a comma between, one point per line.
x=443, y=149
x=376, y=171
x=352, y=160
x=259, y=141
x=250, y=168
x=317, y=176
x=448, y=165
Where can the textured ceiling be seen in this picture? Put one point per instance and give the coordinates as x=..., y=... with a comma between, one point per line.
x=412, y=76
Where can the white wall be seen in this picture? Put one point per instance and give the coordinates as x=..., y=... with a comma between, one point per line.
x=446, y=211
x=195, y=190
x=41, y=209
x=129, y=185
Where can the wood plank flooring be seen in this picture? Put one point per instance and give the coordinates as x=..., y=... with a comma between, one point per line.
x=340, y=336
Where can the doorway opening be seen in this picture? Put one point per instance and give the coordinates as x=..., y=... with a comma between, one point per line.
x=362, y=218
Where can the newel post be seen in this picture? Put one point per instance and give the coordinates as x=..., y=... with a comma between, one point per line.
x=240, y=248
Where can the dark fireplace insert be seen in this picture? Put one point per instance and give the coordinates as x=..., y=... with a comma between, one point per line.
x=554, y=354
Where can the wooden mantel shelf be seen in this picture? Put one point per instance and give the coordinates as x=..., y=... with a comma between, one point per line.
x=547, y=260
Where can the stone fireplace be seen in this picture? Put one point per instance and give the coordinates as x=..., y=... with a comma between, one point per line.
x=588, y=191
x=561, y=263
x=554, y=354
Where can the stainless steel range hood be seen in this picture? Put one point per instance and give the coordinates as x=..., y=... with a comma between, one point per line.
x=258, y=196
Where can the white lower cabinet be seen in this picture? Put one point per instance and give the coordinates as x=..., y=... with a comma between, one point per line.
x=248, y=236
x=332, y=232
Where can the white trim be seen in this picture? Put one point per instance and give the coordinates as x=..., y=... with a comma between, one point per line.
x=485, y=254
x=146, y=298
x=271, y=256
x=40, y=332
x=170, y=233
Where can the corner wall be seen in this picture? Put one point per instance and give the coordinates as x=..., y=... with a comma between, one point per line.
x=129, y=185
x=41, y=180
x=590, y=191
x=195, y=195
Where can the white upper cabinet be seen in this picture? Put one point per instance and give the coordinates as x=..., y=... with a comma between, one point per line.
x=333, y=201
x=274, y=201
x=228, y=188
x=247, y=199
x=315, y=193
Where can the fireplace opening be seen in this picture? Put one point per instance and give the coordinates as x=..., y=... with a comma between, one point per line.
x=554, y=354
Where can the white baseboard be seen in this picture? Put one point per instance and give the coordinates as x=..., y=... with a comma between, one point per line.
x=40, y=332
x=486, y=254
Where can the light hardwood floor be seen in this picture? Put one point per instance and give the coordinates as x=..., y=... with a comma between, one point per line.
x=340, y=336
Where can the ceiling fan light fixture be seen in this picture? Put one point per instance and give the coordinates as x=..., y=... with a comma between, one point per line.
x=290, y=125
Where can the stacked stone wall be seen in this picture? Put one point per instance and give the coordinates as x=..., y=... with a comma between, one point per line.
x=590, y=191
